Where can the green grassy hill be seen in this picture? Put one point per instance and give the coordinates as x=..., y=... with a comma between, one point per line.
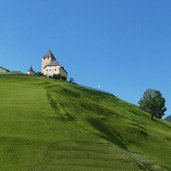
x=11, y=73
x=48, y=125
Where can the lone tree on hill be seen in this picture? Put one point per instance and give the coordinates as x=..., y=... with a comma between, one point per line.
x=153, y=103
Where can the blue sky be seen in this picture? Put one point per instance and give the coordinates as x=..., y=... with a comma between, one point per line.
x=123, y=46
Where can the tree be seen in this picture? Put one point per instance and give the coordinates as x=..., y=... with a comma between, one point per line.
x=63, y=78
x=39, y=74
x=71, y=80
x=57, y=76
x=153, y=103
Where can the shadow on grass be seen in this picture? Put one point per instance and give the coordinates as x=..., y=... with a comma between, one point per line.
x=52, y=102
x=107, y=134
x=64, y=116
x=69, y=93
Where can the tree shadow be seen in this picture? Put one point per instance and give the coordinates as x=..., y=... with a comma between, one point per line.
x=52, y=103
x=107, y=134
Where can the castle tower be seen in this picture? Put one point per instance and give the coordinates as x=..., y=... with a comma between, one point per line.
x=47, y=59
x=51, y=67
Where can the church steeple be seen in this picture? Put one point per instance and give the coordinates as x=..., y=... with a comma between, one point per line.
x=49, y=54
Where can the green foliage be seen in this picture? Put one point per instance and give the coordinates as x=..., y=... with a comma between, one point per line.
x=71, y=80
x=51, y=125
x=38, y=74
x=56, y=76
x=63, y=78
x=153, y=103
x=59, y=77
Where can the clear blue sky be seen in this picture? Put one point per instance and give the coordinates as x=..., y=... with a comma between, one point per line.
x=123, y=46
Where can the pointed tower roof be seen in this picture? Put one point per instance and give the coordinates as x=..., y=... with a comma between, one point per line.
x=31, y=69
x=49, y=54
x=4, y=69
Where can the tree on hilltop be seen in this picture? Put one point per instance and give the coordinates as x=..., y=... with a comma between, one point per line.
x=153, y=103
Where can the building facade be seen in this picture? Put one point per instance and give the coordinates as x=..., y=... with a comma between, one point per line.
x=51, y=67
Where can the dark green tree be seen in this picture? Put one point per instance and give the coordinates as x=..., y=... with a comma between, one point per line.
x=63, y=78
x=39, y=74
x=71, y=80
x=56, y=76
x=153, y=103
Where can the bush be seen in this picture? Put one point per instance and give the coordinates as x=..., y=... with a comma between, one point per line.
x=56, y=76
x=63, y=78
x=71, y=80
x=39, y=74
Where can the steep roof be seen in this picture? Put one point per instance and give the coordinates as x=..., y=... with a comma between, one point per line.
x=64, y=69
x=5, y=69
x=49, y=54
x=53, y=63
x=31, y=69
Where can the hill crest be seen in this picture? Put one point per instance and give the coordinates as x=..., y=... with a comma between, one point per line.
x=55, y=125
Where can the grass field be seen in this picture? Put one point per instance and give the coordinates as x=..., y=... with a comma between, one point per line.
x=49, y=125
x=11, y=73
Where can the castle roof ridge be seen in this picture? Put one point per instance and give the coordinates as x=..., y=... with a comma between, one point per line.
x=49, y=54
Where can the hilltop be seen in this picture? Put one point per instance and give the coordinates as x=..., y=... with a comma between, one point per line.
x=54, y=125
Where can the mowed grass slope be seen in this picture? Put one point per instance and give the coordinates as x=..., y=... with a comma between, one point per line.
x=49, y=125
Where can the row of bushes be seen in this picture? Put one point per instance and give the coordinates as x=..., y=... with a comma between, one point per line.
x=59, y=77
x=55, y=76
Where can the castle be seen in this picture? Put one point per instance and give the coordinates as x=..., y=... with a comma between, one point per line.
x=51, y=67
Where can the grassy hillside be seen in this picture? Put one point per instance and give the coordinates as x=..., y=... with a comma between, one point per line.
x=11, y=73
x=48, y=125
